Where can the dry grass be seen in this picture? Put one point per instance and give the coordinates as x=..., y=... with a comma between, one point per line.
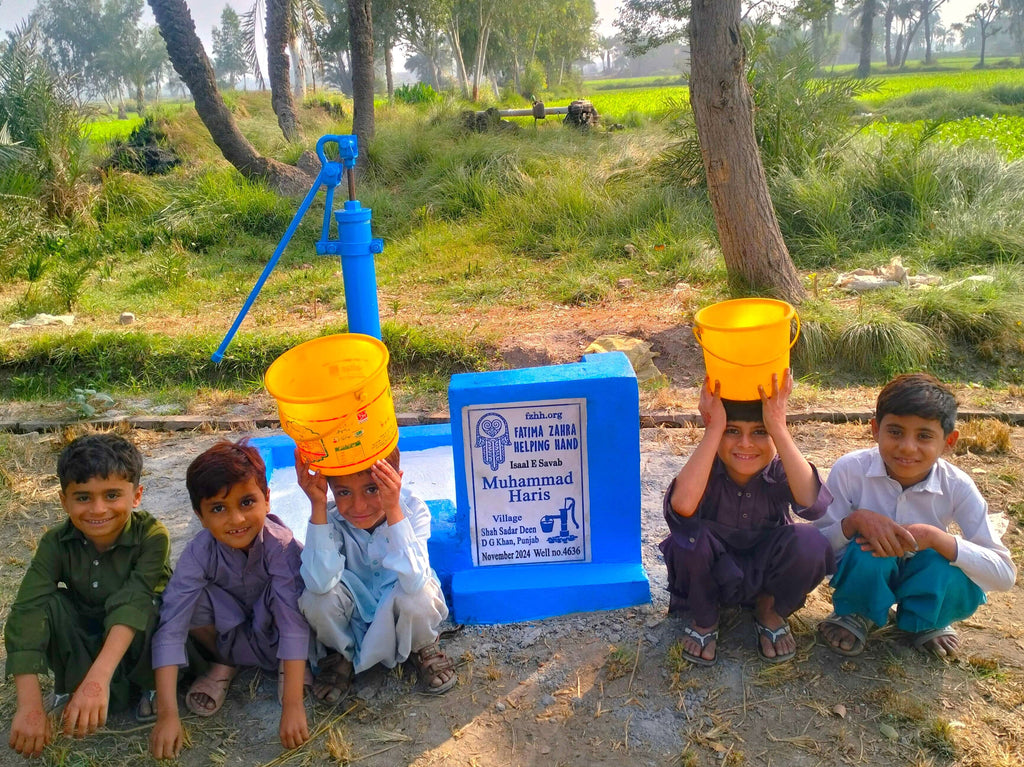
x=985, y=436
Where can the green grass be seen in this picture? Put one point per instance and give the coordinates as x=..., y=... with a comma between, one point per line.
x=110, y=128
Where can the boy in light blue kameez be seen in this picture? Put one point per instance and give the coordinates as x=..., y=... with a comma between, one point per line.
x=371, y=595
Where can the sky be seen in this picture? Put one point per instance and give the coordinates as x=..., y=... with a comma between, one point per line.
x=206, y=13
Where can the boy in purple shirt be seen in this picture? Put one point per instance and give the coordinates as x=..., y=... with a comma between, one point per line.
x=732, y=541
x=235, y=593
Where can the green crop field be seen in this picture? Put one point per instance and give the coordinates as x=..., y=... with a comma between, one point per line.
x=1004, y=131
x=895, y=85
x=110, y=128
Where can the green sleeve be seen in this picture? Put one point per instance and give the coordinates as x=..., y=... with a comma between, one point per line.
x=27, y=631
x=136, y=603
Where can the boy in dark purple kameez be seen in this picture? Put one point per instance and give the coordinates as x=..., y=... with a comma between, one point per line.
x=733, y=541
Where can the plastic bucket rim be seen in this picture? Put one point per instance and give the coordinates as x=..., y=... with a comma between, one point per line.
x=786, y=317
x=367, y=377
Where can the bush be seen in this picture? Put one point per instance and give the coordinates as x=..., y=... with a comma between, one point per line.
x=420, y=93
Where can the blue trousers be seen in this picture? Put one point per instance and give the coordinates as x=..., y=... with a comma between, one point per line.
x=928, y=591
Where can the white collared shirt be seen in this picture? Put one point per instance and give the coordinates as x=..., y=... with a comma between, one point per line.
x=946, y=496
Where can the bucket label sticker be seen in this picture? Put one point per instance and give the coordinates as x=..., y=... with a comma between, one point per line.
x=526, y=465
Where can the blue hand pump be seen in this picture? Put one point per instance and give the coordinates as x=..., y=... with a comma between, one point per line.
x=354, y=243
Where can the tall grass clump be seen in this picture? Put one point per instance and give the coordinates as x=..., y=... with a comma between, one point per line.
x=879, y=343
x=220, y=204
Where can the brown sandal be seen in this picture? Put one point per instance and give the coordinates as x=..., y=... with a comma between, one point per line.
x=333, y=677
x=432, y=663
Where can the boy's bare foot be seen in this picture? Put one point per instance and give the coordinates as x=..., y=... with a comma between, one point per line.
x=700, y=644
x=773, y=635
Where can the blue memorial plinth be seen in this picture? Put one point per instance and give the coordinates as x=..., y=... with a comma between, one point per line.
x=546, y=518
x=547, y=478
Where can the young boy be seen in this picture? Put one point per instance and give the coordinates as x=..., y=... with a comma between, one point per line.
x=732, y=540
x=895, y=502
x=371, y=596
x=87, y=606
x=235, y=592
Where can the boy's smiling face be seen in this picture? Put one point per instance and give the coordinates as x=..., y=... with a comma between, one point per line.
x=358, y=499
x=910, y=445
x=100, y=507
x=236, y=515
x=745, y=449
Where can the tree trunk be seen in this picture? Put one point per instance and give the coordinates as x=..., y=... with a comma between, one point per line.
x=867, y=19
x=926, y=12
x=278, y=32
x=360, y=29
x=389, y=75
x=298, y=69
x=344, y=75
x=756, y=257
x=452, y=31
x=193, y=67
x=889, y=14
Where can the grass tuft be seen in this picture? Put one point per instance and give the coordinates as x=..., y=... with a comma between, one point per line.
x=983, y=436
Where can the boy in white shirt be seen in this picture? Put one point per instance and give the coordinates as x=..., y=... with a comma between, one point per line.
x=892, y=507
x=371, y=595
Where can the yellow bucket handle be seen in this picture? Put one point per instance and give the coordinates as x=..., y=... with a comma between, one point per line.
x=745, y=364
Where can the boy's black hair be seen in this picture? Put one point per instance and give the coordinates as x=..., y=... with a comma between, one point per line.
x=99, y=455
x=743, y=410
x=918, y=394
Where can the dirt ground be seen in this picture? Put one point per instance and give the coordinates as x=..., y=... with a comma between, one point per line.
x=598, y=688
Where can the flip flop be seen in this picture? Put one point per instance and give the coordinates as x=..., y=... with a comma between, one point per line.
x=773, y=636
x=703, y=640
x=857, y=625
x=213, y=684
x=922, y=639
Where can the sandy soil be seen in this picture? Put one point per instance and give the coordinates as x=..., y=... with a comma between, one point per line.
x=606, y=687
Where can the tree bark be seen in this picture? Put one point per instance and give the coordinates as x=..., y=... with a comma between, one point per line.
x=298, y=69
x=389, y=75
x=867, y=19
x=756, y=257
x=193, y=67
x=360, y=28
x=278, y=32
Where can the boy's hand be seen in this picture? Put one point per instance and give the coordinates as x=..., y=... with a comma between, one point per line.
x=313, y=485
x=30, y=731
x=167, y=736
x=86, y=712
x=773, y=406
x=710, y=406
x=294, y=728
x=878, y=534
x=389, y=488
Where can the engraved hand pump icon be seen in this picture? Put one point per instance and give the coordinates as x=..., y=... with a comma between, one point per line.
x=547, y=522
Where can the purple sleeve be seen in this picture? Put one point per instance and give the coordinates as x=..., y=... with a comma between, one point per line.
x=283, y=565
x=817, y=509
x=683, y=529
x=183, y=589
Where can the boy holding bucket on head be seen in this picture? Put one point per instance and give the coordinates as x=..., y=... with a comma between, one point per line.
x=893, y=505
x=371, y=595
x=233, y=599
x=88, y=604
x=732, y=541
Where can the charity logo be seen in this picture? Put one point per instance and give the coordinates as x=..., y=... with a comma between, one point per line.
x=491, y=438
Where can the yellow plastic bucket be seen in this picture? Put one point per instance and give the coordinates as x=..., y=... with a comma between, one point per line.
x=746, y=340
x=334, y=399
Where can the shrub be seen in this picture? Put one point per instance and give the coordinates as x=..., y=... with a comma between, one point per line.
x=420, y=93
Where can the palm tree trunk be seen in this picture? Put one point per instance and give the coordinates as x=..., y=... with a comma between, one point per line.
x=360, y=28
x=298, y=69
x=867, y=19
x=278, y=33
x=193, y=67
